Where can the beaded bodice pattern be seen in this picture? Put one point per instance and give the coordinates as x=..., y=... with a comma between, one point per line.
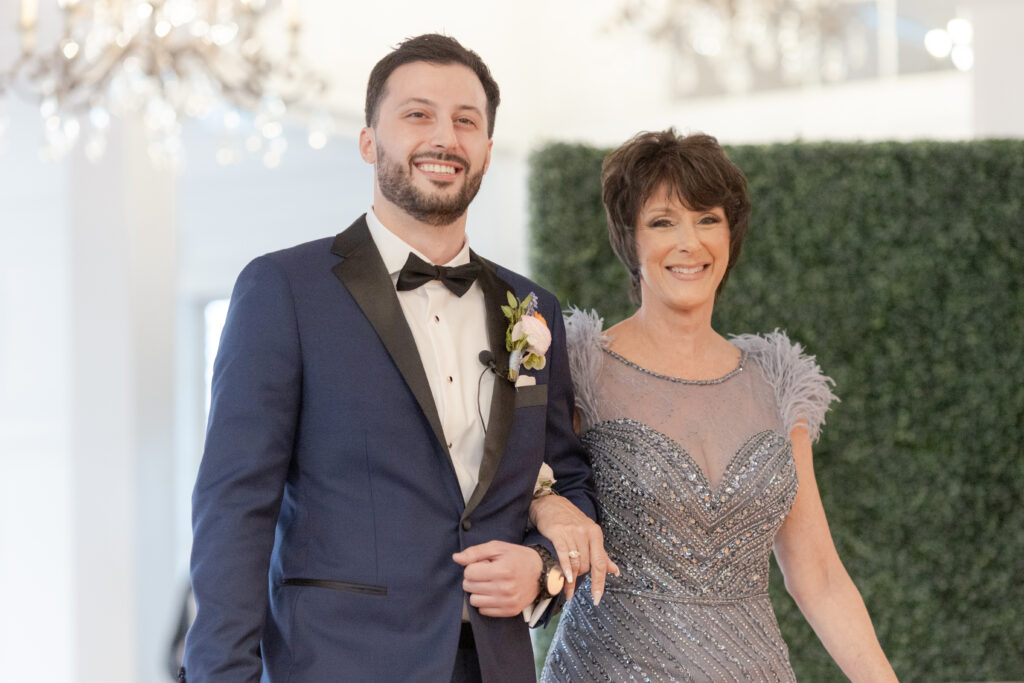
x=679, y=537
x=694, y=479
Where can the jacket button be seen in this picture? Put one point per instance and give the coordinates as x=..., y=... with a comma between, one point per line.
x=466, y=525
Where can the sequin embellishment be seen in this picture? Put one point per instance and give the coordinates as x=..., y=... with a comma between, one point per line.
x=692, y=601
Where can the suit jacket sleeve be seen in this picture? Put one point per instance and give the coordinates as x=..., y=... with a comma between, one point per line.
x=563, y=451
x=253, y=419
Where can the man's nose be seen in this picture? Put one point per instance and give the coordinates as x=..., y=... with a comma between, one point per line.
x=444, y=135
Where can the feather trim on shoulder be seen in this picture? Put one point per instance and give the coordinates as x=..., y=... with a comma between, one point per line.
x=802, y=391
x=583, y=337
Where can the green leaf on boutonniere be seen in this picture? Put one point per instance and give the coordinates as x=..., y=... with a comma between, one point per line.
x=512, y=300
x=507, y=310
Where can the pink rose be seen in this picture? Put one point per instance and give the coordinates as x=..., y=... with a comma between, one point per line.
x=538, y=336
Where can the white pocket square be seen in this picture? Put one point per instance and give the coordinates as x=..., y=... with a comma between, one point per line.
x=525, y=381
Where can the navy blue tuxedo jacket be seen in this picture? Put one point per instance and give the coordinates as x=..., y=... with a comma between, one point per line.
x=326, y=508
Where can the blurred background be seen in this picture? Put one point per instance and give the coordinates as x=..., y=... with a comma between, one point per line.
x=148, y=150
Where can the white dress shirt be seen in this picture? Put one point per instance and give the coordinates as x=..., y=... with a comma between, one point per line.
x=450, y=332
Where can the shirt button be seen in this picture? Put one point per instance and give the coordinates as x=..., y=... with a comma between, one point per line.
x=466, y=525
x=449, y=445
x=437, y=319
x=450, y=380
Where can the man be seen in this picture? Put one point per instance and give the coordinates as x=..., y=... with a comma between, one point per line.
x=360, y=510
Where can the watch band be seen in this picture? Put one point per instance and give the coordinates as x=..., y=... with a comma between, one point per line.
x=548, y=563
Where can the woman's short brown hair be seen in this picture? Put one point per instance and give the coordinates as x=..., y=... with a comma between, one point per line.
x=696, y=169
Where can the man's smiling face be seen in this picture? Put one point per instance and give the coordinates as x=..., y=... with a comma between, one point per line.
x=429, y=144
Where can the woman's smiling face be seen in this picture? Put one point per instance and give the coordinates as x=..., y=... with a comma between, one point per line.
x=682, y=254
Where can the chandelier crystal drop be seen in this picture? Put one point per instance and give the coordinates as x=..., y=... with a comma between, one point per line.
x=165, y=61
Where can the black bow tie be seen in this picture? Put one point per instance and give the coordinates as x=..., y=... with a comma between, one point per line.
x=457, y=279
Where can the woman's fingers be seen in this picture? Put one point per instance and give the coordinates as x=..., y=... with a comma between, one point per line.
x=600, y=565
x=574, y=553
x=562, y=552
x=578, y=543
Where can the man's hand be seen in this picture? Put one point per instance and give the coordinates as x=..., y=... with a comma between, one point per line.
x=501, y=578
x=578, y=541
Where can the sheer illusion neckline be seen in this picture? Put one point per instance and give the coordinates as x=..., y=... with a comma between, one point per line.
x=679, y=380
x=720, y=489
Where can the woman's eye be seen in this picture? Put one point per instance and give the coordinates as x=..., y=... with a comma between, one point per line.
x=710, y=219
x=661, y=223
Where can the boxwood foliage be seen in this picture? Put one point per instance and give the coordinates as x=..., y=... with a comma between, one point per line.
x=901, y=266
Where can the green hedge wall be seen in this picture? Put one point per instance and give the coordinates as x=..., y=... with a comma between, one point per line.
x=901, y=266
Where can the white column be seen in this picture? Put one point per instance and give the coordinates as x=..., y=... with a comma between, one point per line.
x=998, y=65
x=122, y=272
x=37, y=619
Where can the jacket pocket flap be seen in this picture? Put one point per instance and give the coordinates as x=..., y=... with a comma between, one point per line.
x=536, y=395
x=364, y=588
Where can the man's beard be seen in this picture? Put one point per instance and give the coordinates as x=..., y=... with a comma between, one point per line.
x=396, y=185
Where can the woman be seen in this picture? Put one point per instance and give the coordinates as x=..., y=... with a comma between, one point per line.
x=701, y=448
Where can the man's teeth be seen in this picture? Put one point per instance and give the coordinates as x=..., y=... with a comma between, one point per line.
x=688, y=271
x=437, y=168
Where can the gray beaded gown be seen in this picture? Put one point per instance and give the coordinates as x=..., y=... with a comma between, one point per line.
x=694, y=479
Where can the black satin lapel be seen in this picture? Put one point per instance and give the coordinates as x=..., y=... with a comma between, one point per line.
x=503, y=397
x=364, y=275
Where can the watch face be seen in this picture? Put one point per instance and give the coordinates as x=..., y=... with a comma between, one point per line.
x=555, y=581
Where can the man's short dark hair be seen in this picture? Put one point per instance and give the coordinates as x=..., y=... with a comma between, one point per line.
x=433, y=49
x=695, y=169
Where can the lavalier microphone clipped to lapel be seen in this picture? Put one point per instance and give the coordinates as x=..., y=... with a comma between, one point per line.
x=487, y=358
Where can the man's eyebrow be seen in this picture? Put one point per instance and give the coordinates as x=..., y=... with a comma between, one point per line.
x=430, y=103
x=420, y=100
x=472, y=108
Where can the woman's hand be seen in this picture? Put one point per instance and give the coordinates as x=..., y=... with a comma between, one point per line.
x=578, y=541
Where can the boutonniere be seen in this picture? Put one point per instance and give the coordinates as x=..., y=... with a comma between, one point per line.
x=527, y=338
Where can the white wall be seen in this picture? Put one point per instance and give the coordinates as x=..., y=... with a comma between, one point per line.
x=933, y=106
x=998, y=102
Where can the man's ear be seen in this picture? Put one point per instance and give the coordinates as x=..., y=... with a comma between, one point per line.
x=368, y=145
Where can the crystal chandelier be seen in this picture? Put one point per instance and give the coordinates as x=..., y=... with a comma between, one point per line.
x=164, y=61
x=734, y=46
x=728, y=45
